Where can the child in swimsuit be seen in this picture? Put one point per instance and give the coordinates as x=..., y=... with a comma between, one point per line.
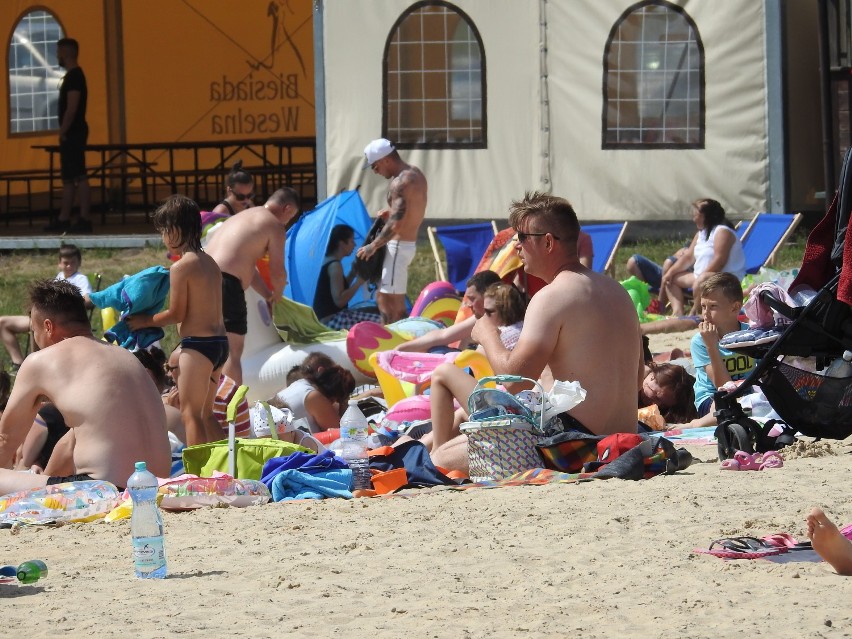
x=195, y=305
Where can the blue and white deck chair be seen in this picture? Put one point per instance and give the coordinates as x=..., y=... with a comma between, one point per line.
x=606, y=238
x=765, y=236
x=464, y=246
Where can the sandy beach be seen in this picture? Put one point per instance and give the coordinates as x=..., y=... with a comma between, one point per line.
x=594, y=559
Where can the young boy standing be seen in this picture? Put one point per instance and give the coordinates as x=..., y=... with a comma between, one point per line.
x=721, y=300
x=11, y=326
x=195, y=305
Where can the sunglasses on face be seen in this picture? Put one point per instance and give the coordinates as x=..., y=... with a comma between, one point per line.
x=523, y=237
x=242, y=197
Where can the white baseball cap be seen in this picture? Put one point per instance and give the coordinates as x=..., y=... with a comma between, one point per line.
x=376, y=150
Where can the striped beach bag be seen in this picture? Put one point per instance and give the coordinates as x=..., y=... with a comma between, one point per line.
x=502, y=432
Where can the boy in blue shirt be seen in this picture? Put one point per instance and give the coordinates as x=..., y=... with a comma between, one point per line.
x=721, y=300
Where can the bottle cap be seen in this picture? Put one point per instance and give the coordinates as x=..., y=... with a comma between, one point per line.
x=141, y=466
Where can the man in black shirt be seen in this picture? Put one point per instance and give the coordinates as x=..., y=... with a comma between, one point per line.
x=73, y=134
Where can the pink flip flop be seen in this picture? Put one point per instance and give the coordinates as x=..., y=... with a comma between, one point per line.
x=770, y=459
x=784, y=540
x=741, y=548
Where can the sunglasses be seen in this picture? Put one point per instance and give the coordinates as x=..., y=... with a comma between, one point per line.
x=242, y=197
x=522, y=237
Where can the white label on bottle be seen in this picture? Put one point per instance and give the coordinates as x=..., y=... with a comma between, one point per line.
x=149, y=553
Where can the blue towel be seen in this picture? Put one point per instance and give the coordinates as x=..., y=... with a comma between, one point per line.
x=144, y=293
x=306, y=462
x=295, y=484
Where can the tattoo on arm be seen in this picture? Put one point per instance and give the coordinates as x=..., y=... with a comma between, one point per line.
x=398, y=210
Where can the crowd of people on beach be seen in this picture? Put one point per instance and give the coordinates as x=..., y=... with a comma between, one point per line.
x=61, y=423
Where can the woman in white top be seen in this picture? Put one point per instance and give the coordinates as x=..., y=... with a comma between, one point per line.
x=714, y=249
x=317, y=391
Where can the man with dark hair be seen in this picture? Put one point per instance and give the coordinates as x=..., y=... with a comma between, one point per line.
x=460, y=332
x=73, y=135
x=236, y=245
x=405, y=212
x=105, y=395
x=582, y=325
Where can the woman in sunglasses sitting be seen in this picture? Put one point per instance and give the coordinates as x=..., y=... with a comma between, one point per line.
x=240, y=191
x=506, y=303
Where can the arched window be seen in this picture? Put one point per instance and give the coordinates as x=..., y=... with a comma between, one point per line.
x=34, y=75
x=653, y=83
x=434, y=79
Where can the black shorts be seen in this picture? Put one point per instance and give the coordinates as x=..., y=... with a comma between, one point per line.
x=574, y=424
x=234, y=309
x=72, y=155
x=214, y=348
x=61, y=480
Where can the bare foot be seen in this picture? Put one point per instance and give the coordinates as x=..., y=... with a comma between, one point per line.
x=829, y=543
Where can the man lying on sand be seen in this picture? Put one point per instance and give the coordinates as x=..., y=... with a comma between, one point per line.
x=829, y=542
x=582, y=325
x=105, y=395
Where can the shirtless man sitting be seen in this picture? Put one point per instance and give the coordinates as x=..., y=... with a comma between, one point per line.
x=236, y=245
x=405, y=212
x=105, y=395
x=581, y=324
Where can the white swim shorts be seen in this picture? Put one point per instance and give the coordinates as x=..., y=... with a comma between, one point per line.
x=395, y=267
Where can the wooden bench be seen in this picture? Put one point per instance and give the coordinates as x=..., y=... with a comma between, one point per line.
x=8, y=178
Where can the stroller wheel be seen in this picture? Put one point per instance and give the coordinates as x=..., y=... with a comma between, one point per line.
x=731, y=438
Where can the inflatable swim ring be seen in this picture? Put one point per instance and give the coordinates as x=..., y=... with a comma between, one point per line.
x=430, y=293
x=413, y=327
x=410, y=409
x=71, y=501
x=198, y=492
x=443, y=310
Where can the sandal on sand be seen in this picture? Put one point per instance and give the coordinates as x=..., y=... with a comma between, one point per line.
x=758, y=461
x=784, y=540
x=741, y=548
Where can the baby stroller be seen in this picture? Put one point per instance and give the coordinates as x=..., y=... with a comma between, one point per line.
x=808, y=402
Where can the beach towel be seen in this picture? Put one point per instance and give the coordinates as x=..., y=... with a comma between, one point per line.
x=144, y=293
x=298, y=324
x=296, y=484
x=306, y=462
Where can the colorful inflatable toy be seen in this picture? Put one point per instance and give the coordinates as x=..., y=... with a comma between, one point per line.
x=430, y=293
x=267, y=358
x=71, y=501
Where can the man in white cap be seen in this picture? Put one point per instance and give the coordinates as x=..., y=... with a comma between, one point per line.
x=405, y=212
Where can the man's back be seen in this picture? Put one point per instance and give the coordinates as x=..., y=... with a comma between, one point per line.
x=111, y=403
x=242, y=239
x=598, y=344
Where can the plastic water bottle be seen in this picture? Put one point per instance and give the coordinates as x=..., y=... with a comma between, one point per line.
x=146, y=525
x=31, y=571
x=841, y=367
x=353, y=440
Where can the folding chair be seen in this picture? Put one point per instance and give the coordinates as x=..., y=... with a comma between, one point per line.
x=765, y=236
x=606, y=238
x=464, y=246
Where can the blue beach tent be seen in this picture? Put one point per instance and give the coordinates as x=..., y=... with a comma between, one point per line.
x=308, y=239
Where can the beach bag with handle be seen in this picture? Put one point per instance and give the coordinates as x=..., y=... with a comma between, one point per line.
x=240, y=458
x=502, y=432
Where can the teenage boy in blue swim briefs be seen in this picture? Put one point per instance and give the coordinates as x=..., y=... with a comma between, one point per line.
x=195, y=305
